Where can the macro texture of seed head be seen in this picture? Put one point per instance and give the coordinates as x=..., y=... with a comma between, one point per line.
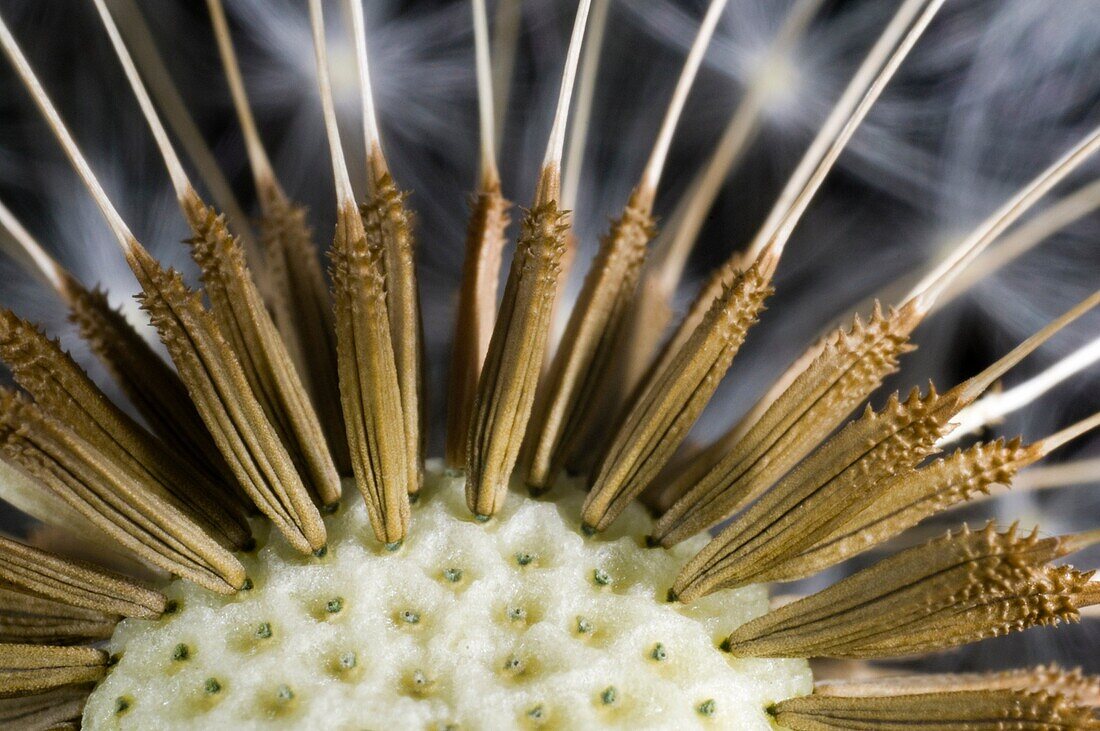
x=269, y=546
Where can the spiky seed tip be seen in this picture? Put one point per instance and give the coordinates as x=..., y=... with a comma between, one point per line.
x=817, y=496
x=964, y=587
x=909, y=497
x=148, y=382
x=64, y=391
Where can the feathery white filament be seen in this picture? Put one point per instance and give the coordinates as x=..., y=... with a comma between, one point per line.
x=171, y=160
x=44, y=264
x=344, y=193
x=53, y=119
x=862, y=92
x=994, y=406
x=556, y=144
x=651, y=178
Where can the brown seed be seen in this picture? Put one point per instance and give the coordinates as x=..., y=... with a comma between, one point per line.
x=958, y=589
x=33, y=620
x=477, y=304
x=28, y=669
x=586, y=350
x=62, y=389
x=107, y=494
x=388, y=227
x=850, y=366
x=244, y=320
x=60, y=708
x=506, y=391
x=53, y=577
x=674, y=397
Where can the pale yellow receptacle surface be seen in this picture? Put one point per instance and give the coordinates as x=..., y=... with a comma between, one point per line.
x=518, y=622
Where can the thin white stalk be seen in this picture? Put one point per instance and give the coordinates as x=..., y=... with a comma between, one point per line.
x=257, y=155
x=1058, y=439
x=484, y=92
x=978, y=384
x=370, y=117
x=862, y=92
x=672, y=250
x=180, y=182
x=931, y=286
x=651, y=178
x=27, y=246
x=1043, y=477
x=344, y=193
x=164, y=91
x=582, y=112
x=53, y=119
x=995, y=406
x=555, y=146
